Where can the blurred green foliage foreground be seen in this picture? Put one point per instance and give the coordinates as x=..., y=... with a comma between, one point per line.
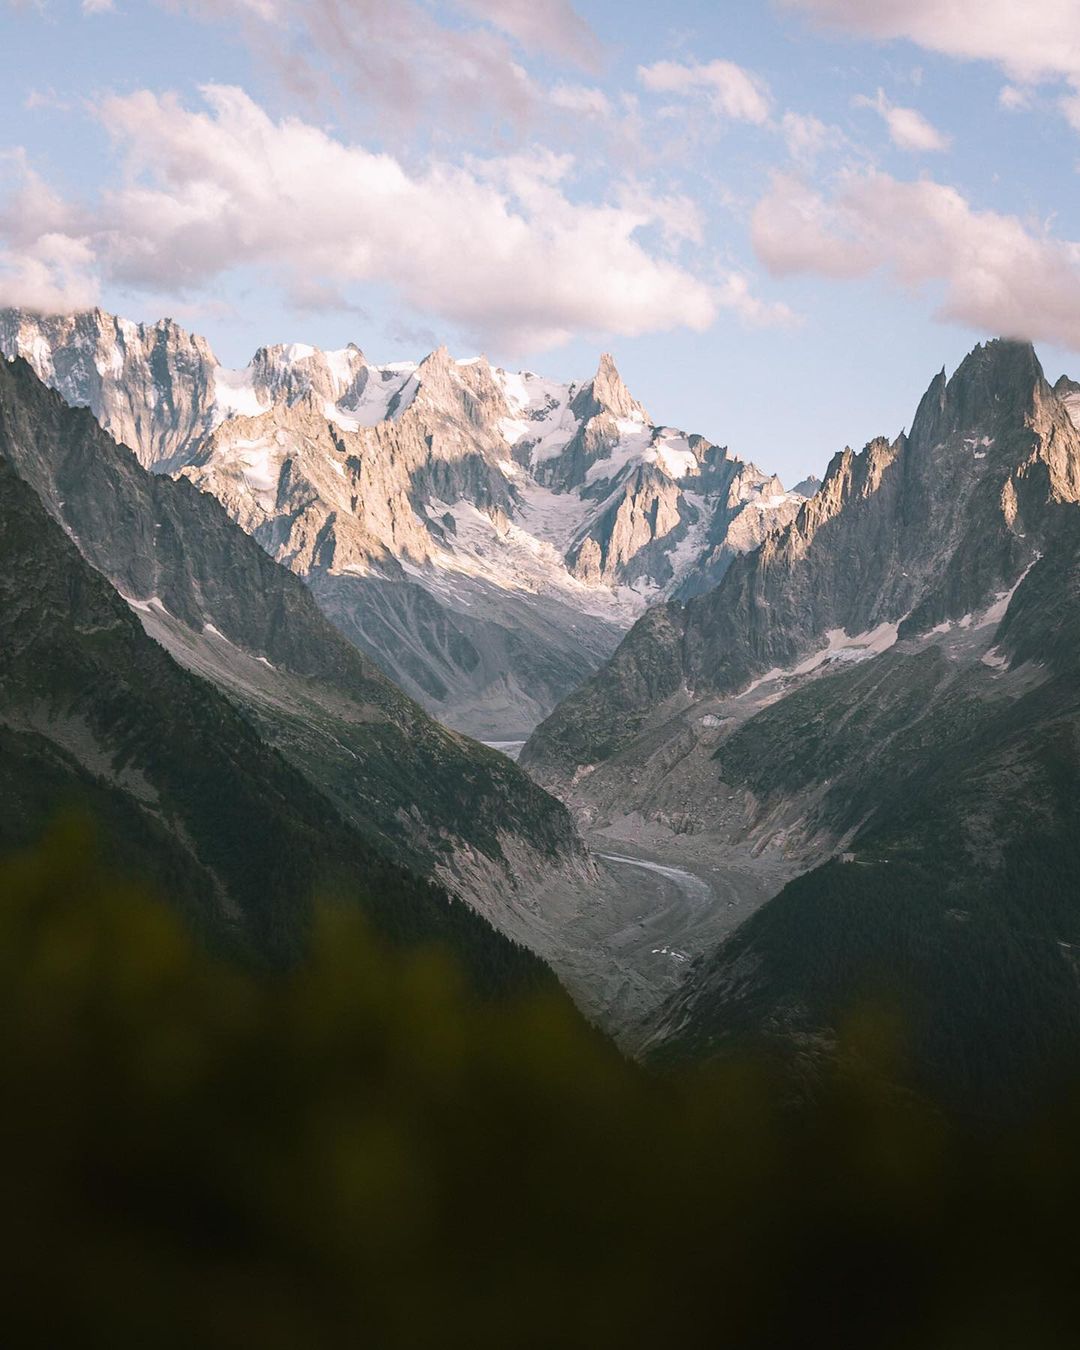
x=362, y=1153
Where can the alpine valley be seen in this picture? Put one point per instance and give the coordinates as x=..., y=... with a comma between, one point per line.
x=783, y=750
x=884, y=697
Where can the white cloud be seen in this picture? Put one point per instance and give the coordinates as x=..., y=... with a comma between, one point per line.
x=680, y=218
x=496, y=247
x=97, y=6
x=414, y=63
x=731, y=91
x=45, y=98
x=46, y=262
x=552, y=26
x=1014, y=99
x=794, y=229
x=587, y=101
x=29, y=208
x=1033, y=42
x=908, y=129
x=735, y=294
x=1071, y=108
x=54, y=273
x=997, y=274
x=807, y=136
x=391, y=58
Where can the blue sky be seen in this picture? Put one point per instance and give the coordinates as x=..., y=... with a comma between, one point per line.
x=781, y=218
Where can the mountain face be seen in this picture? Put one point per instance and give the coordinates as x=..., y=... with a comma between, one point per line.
x=419, y=795
x=96, y=716
x=899, y=539
x=1069, y=392
x=951, y=771
x=486, y=536
x=151, y=387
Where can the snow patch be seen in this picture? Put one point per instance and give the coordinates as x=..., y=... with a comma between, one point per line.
x=384, y=384
x=1003, y=599
x=343, y=365
x=849, y=649
x=674, y=456
x=631, y=448
x=840, y=649
x=259, y=468
x=539, y=413
x=333, y=413
x=148, y=606
x=235, y=394
x=112, y=364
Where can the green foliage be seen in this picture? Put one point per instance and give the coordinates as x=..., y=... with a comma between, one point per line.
x=361, y=1152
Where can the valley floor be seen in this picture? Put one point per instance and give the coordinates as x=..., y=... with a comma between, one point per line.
x=511, y=749
x=623, y=940
x=623, y=944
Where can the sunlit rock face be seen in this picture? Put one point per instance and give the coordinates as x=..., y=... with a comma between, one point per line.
x=486, y=535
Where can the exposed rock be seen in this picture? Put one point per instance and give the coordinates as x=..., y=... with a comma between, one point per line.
x=151, y=386
x=1069, y=392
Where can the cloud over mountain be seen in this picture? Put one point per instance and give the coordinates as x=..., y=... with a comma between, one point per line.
x=500, y=247
x=995, y=272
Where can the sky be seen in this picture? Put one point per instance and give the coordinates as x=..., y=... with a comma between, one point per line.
x=781, y=218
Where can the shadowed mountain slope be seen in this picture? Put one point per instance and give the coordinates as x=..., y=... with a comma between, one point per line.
x=95, y=716
x=425, y=797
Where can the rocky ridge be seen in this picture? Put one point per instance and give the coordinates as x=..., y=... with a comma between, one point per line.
x=901, y=538
x=945, y=775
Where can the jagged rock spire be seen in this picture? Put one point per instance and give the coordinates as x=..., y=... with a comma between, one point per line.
x=606, y=392
x=995, y=382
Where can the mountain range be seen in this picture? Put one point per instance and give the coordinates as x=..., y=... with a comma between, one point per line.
x=801, y=749
x=294, y=703
x=486, y=536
